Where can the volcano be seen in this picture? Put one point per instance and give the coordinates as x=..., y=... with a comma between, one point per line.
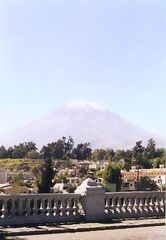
x=84, y=122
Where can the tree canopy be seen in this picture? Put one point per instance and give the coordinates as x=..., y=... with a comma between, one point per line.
x=47, y=173
x=146, y=184
x=112, y=174
x=64, y=149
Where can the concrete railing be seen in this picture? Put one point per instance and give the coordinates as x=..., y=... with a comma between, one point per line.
x=134, y=204
x=39, y=208
x=89, y=203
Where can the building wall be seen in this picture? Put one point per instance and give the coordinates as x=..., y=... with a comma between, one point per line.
x=137, y=173
x=3, y=177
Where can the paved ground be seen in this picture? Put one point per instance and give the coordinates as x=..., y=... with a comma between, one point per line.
x=146, y=233
x=142, y=229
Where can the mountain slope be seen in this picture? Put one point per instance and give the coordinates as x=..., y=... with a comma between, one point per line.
x=85, y=123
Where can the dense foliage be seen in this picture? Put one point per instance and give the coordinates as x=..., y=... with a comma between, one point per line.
x=26, y=157
x=47, y=173
x=148, y=156
x=146, y=184
x=112, y=174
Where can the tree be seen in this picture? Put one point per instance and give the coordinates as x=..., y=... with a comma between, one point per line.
x=68, y=146
x=99, y=154
x=56, y=149
x=29, y=146
x=10, y=152
x=82, y=151
x=151, y=148
x=112, y=174
x=3, y=152
x=146, y=184
x=146, y=161
x=62, y=148
x=47, y=173
x=137, y=153
x=157, y=161
x=160, y=152
x=19, y=151
x=119, y=154
x=82, y=171
x=18, y=180
x=71, y=188
x=33, y=154
x=128, y=159
x=109, y=154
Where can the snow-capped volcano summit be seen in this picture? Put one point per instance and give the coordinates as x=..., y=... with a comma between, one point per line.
x=84, y=122
x=80, y=104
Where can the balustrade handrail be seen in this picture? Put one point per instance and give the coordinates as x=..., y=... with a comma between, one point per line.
x=136, y=193
x=40, y=194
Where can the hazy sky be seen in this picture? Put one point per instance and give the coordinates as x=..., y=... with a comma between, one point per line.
x=109, y=51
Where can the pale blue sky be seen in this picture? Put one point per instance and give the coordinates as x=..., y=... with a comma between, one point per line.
x=109, y=51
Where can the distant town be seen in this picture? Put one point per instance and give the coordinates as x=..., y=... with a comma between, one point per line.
x=61, y=166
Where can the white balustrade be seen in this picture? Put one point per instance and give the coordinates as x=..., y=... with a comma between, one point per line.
x=134, y=204
x=39, y=208
x=88, y=203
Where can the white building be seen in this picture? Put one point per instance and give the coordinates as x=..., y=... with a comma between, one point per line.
x=61, y=187
x=161, y=182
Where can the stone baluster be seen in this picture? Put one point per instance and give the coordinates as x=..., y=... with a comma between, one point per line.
x=12, y=209
x=51, y=206
x=129, y=206
x=16, y=206
x=44, y=201
x=28, y=207
x=24, y=207
x=140, y=207
x=35, y=207
x=146, y=206
x=62, y=208
x=156, y=205
x=68, y=207
x=118, y=206
x=20, y=207
x=65, y=203
x=135, y=206
x=48, y=207
x=41, y=209
x=107, y=205
x=75, y=207
x=58, y=206
x=151, y=204
x=4, y=209
x=112, y=207
x=55, y=209
x=162, y=204
x=124, y=206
